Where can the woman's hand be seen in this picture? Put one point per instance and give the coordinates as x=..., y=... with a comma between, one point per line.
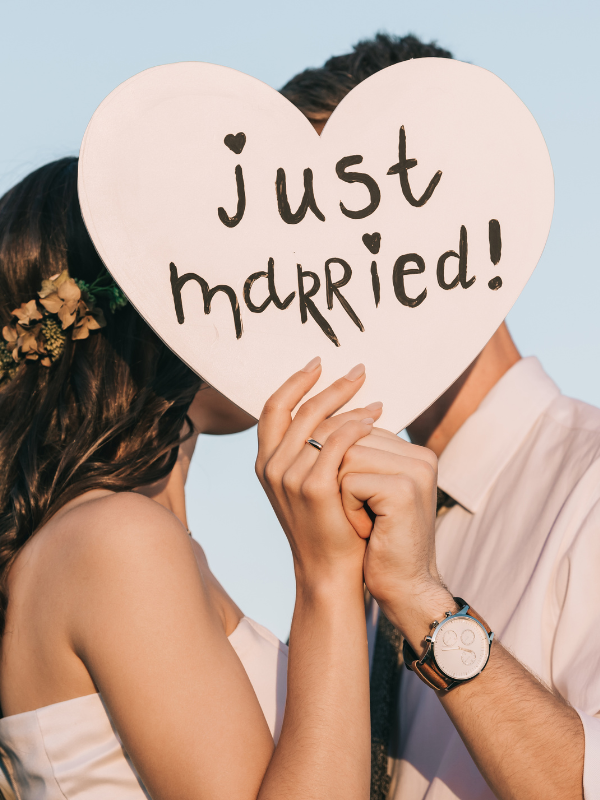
x=301, y=481
x=398, y=480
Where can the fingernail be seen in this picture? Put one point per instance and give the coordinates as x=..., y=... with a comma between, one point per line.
x=374, y=406
x=356, y=372
x=368, y=421
x=312, y=365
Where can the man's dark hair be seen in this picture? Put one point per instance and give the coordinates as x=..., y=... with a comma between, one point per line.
x=316, y=92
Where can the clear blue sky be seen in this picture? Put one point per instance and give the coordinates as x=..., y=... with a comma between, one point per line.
x=59, y=60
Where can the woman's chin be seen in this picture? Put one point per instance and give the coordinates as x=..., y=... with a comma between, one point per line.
x=212, y=413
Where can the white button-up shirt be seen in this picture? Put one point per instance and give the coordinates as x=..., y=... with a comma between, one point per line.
x=523, y=548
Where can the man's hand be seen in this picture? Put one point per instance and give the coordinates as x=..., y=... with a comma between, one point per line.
x=398, y=480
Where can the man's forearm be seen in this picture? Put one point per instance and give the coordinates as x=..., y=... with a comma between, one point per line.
x=527, y=742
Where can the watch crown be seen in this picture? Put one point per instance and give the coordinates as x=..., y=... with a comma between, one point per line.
x=434, y=623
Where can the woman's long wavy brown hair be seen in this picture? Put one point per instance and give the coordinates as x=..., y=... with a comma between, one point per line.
x=109, y=413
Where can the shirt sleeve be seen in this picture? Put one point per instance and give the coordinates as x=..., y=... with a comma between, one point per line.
x=576, y=646
x=591, y=768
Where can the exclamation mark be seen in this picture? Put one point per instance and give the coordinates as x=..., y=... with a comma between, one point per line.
x=495, y=251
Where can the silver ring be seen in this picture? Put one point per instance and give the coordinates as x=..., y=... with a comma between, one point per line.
x=315, y=444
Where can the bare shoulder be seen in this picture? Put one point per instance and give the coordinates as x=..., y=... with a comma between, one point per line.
x=108, y=538
x=106, y=578
x=121, y=520
x=117, y=567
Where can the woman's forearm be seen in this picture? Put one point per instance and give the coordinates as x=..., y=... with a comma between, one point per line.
x=324, y=749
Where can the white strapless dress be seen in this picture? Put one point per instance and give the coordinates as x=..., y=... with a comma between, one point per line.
x=70, y=750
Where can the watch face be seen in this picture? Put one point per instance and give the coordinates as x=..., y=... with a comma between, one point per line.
x=461, y=648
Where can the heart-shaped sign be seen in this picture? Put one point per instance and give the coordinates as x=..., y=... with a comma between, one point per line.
x=401, y=237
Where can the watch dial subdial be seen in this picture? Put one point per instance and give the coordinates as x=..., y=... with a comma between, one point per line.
x=449, y=638
x=468, y=657
x=467, y=637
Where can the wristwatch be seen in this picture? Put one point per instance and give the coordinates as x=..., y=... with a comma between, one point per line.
x=458, y=648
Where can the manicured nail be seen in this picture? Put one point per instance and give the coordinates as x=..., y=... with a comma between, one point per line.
x=368, y=421
x=374, y=406
x=312, y=365
x=356, y=372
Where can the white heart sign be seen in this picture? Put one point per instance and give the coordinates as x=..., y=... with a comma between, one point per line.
x=400, y=237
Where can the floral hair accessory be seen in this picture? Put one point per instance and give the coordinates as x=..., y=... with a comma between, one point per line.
x=37, y=329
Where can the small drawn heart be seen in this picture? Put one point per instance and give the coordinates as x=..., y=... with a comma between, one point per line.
x=235, y=143
x=372, y=241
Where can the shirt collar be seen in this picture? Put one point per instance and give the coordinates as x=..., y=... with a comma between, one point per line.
x=482, y=447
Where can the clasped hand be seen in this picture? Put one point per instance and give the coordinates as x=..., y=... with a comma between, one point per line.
x=320, y=496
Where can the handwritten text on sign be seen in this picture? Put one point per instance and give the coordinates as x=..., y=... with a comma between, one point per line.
x=449, y=274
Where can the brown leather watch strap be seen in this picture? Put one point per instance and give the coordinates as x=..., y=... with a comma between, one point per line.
x=472, y=613
x=428, y=671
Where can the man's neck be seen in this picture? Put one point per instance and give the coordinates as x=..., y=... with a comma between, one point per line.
x=436, y=426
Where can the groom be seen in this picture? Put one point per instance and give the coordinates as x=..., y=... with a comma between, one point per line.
x=518, y=537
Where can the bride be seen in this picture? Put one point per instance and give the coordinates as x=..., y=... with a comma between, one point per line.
x=126, y=670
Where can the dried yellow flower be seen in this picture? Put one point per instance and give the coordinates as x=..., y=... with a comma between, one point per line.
x=35, y=333
x=61, y=295
x=92, y=320
x=27, y=313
